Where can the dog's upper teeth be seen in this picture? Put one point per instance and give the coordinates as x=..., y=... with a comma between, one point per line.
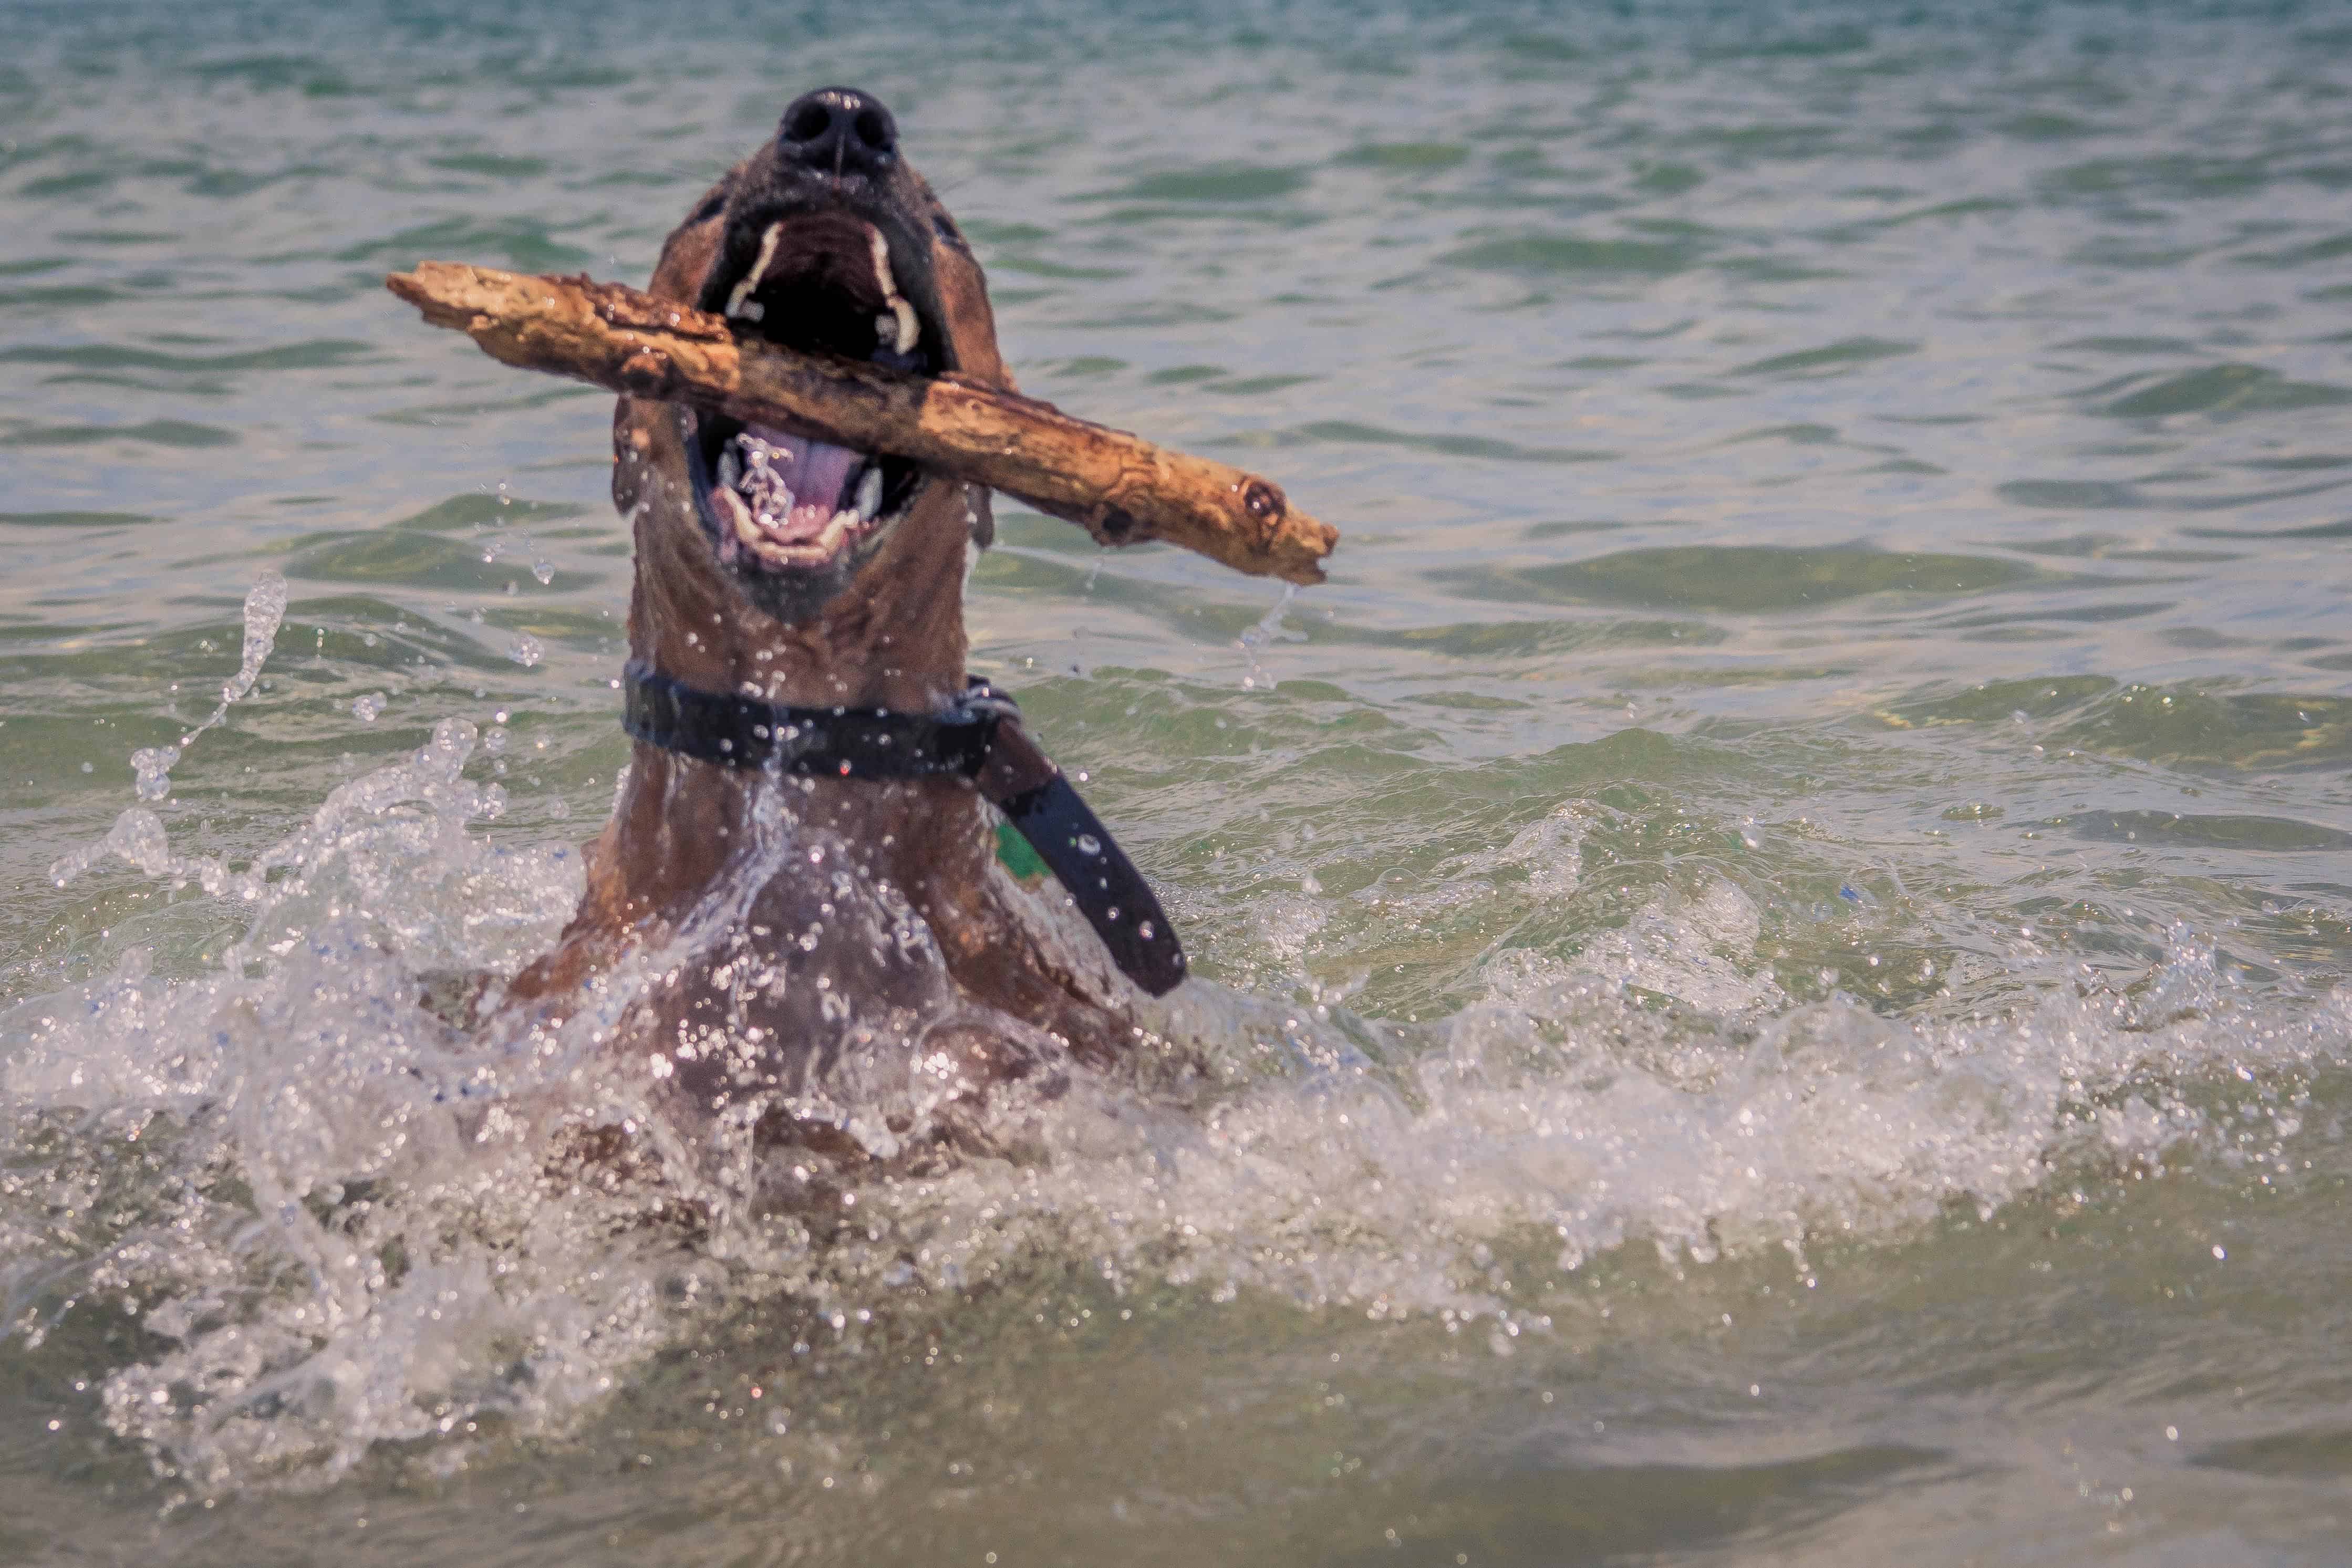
x=739, y=299
x=881, y=249
x=869, y=493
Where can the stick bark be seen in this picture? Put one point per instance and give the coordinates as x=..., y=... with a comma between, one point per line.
x=1120, y=488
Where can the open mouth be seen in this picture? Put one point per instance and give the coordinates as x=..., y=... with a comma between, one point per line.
x=776, y=502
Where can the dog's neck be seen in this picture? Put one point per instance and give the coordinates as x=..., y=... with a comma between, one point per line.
x=894, y=638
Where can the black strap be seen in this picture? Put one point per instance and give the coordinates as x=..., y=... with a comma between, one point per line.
x=841, y=742
x=978, y=736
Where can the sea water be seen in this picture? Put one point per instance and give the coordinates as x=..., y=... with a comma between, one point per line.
x=1773, y=945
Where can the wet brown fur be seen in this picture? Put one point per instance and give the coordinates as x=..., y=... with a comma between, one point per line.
x=676, y=846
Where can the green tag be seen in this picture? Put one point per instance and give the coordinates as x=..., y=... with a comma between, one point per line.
x=1016, y=854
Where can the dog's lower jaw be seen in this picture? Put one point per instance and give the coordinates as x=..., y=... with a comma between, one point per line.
x=889, y=633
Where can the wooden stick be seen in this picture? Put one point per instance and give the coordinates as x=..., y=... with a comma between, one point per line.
x=1120, y=488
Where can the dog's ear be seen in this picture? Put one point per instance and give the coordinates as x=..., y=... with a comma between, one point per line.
x=971, y=327
x=686, y=257
x=687, y=252
x=962, y=291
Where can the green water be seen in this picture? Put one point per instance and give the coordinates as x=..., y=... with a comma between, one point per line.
x=1777, y=934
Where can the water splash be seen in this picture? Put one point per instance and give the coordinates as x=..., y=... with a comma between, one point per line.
x=263, y=1097
x=1561, y=1117
x=338, y=1212
x=151, y=767
x=150, y=772
x=1268, y=628
x=348, y=1220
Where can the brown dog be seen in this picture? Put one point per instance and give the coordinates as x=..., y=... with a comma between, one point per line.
x=821, y=953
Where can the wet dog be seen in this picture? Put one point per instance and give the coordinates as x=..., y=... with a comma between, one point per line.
x=842, y=958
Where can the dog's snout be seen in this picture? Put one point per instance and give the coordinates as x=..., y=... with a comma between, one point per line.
x=839, y=130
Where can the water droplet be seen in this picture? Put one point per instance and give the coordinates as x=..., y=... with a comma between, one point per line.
x=525, y=651
x=543, y=570
x=1089, y=844
x=366, y=708
x=152, y=770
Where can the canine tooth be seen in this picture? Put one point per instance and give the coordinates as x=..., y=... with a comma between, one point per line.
x=737, y=298
x=869, y=493
x=902, y=315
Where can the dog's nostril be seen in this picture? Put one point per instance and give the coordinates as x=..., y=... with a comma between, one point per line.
x=809, y=121
x=839, y=130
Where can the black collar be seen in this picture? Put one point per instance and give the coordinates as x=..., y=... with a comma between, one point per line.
x=978, y=736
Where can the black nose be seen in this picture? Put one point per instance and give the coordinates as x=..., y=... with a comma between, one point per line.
x=839, y=130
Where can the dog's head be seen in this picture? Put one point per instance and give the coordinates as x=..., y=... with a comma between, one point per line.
x=823, y=239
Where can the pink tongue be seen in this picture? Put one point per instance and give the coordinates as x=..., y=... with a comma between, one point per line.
x=815, y=470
